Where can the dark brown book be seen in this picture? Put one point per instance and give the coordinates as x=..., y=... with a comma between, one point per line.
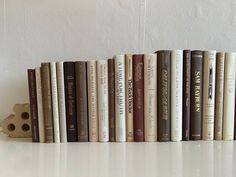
x=33, y=105
x=70, y=99
x=138, y=97
x=47, y=102
x=111, y=97
x=163, y=95
x=196, y=95
x=186, y=94
x=81, y=100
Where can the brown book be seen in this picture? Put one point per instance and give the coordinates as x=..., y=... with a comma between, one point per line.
x=196, y=95
x=33, y=105
x=81, y=100
x=47, y=102
x=111, y=98
x=138, y=97
x=70, y=97
x=186, y=94
x=163, y=94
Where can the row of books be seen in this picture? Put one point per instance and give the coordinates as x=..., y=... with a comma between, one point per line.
x=170, y=95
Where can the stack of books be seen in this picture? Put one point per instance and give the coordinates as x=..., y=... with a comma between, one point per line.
x=169, y=95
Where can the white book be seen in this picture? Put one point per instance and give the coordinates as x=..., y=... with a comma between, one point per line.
x=92, y=100
x=102, y=92
x=120, y=98
x=208, y=114
x=56, y=126
x=40, y=105
x=150, y=97
x=229, y=96
x=61, y=101
x=176, y=94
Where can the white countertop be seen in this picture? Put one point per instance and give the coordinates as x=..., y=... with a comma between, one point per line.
x=19, y=158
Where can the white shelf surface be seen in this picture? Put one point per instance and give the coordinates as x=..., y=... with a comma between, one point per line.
x=21, y=158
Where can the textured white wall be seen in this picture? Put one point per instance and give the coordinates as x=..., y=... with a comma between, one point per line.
x=32, y=31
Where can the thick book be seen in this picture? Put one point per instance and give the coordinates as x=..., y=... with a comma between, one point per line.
x=186, y=94
x=163, y=95
x=176, y=94
x=196, y=95
x=33, y=105
x=102, y=89
x=138, y=96
x=208, y=111
x=150, y=97
x=81, y=100
x=70, y=100
x=229, y=96
x=111, y=97
x=120, y=98
x=92, y=100
x=61, y=101
x=47, y=102
x=129, y=97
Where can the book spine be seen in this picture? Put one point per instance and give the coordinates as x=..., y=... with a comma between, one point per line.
x=138, y=96
x=196, y=95
x=92, y=100
x=40, y=104
x=102, y=87
x=129, y=97
x=120, y=98
x=186, y=94
x=150, y=97
x=33, y=105
x=61, y=101
x=47, y=102
x=229, y=96
x=208, y=95
x=176, y=94
x=163, y=95
x=81, y=100
x=70, y=99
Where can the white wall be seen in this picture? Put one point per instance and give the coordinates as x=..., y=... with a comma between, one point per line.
x=32, y=31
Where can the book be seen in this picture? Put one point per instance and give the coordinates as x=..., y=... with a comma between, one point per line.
x=229, y=96
x=150, y=97
x=56, y=126
x=208, y=95
x=186, y=94
x=47, y=102
x=196, y=95
x=61, y=101
x=111, y=97
x=129, y=97
x=81, y=100
x=120, y=98
x=40, y=104
x=92, y=100
x=176, y=94
x=70, y=100
x=102, y=92
x=163, y=95
x=33, y=105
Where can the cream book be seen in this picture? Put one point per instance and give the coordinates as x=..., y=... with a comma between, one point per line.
x=92, y=100
x=229, y=96
x=129, y=97
x=150, y=97
x=120, y=98
x=56, y=126
x=176, y=94
x=40, y=104
x=102, y=92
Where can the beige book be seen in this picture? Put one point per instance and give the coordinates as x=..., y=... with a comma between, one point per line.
x=150, y=97
x=92, y=100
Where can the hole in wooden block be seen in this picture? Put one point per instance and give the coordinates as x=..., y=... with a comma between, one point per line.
x=11, y=127
x=25, y=115
x=25, y=127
